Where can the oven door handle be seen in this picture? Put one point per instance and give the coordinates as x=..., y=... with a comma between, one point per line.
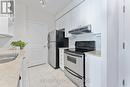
x=74, y=54
x=73, y=73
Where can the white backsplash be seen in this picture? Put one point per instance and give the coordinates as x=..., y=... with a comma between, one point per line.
x=85, y=37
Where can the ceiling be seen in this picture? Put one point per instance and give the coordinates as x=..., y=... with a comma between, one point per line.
x=51, y=6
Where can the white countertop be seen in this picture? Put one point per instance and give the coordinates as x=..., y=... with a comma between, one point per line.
x=94, y=53
x=9, y=72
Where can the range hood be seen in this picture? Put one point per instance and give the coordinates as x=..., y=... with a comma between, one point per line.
x=84, y=29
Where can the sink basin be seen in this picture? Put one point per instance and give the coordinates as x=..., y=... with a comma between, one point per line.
x=7, y=58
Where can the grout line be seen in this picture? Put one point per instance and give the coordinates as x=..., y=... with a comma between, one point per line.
x=36, y=65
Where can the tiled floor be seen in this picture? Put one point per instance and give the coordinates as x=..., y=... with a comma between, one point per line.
x=46, y=76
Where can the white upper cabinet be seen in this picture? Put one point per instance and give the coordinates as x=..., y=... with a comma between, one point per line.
x=89, y=12
x=75, y=18
x=58, y=24
x=67, y=24
x=64, y=23
x=96, y=14
x=3, y=24
x=84, y=13
x=6, y=17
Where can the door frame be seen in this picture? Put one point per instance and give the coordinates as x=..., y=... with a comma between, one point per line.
x=121, y=61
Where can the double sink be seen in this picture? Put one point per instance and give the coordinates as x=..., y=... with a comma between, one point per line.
x=8, y=57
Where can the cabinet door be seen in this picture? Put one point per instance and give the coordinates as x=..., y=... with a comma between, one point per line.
x=3, y=25
x=83, y=13
x=57, y=24
x=97, y=15
x=72, y=21
x=60, y=24
x=79, y=15
x=67, y=24
x=75, y=18
x=93, y=71
x=61, y=59
x=64, y=23
x=25, y=74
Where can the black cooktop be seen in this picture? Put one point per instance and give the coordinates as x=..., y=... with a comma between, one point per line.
x=82, y=46
x=77, y=51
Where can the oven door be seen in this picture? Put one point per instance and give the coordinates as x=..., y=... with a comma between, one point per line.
x=74, y=68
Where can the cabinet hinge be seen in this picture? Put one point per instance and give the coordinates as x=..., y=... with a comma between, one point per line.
x=124, y=9
x=123, y=82
x=124, y=45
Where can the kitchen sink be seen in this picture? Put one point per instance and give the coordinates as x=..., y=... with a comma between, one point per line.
x=8, y=58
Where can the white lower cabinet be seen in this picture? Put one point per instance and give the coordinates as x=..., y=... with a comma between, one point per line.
x=61, y=58
x=93, y=71
x=23, y=82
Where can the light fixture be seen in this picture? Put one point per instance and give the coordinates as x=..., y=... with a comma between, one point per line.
x=42, y=3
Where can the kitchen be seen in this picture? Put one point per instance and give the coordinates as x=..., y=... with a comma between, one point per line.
x=68, y=43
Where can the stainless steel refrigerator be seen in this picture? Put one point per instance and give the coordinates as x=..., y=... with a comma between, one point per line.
x=56, y=39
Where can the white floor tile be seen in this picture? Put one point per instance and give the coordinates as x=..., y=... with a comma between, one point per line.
x=46, y=76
